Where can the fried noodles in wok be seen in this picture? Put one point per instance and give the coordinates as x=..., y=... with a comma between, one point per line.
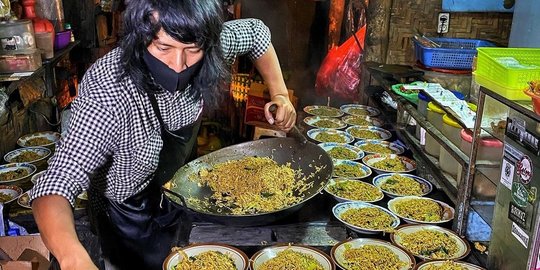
x=253, y=185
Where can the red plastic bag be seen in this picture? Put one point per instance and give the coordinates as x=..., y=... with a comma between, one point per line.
x=339, y=74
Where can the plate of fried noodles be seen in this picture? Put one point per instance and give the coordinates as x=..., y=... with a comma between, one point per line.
x=342, y=151
x=291, y=257
x=46, y=139
x=402, y=184
x=389, y=163
x=9, y=193
x=413, y=209
x=325, y=111
x=206, y=257
x=379, y=147
x=350, y=169
x=16, y=173
x=371, y=254
x=359, y=110
x=347, y=190
x=323, y=135
x=430, y=242
x=447, y=265
x=324, y=122
x=354, y=120
x=369, y=133
x=365, y=218
x=35, y=155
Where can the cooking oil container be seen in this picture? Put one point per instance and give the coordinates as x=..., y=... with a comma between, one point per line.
x=434, y=116
x=451, y=130
x=490, y=149
x=17, y=37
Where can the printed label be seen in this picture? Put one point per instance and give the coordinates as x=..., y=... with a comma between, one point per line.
x=524, y=169
x=520, y=235
x=517, y=215
x=520, y=194
x=422, y=136
x=507, y=174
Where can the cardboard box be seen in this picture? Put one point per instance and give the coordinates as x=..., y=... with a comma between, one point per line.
x=258, y=96
x=23, y=253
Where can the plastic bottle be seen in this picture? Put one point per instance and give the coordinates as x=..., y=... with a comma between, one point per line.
x=67, y=26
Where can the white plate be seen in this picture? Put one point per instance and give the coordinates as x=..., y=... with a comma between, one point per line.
x=350, y=120
x=379, y=180
x=353, y=108
x=312, y=133
x=340, y=208
x=29, y=168
x=339, y=249
x=364, y=168
x=271, y=252
x=383, y=133
x=448, y=211
x=240, y=258
x=463, y=246
x=313, y=110
x=24, y=200
x=42, y=151
x=329, y=146
x=369, y=160
x=468, y=266
x=334, y=181
x=313, y=120
x=54, y=137
x=13, y=191
x=396, y=148
x=36, y=176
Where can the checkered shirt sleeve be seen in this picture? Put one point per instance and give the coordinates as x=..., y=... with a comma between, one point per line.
x=249, y=37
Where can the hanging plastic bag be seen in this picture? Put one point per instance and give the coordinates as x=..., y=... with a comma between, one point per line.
x=339, y=74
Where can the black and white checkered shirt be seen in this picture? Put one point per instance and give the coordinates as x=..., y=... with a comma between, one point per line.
x=114, y=136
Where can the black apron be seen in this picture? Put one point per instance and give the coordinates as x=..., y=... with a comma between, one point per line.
x=139, y=233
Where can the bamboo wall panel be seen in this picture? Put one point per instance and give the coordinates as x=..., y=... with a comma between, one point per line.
x=408, y=15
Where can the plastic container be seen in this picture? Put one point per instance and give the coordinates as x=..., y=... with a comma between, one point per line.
x=452, y=131
x=45, y=43
x=20, y=62
x=507, y=70
x=412, y=97
x=454, y=53
x=434, y=116
x=535, y=100
x=488, y=149
x=62, y=39
x=17, y=37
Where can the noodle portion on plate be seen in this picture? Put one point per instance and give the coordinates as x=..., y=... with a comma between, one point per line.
x=252, y=185
x=371, y=257
x=419, y=209
x=369, y=218
x=402, y=185
x=430, y=244
x=447, y=265
x=291, y=260
x=208, y=260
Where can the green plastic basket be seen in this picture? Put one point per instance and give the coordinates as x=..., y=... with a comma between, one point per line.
x=508, y=80
x=413, y=97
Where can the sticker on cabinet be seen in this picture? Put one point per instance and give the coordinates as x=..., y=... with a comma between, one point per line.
x=507, y=174
x=520, y=235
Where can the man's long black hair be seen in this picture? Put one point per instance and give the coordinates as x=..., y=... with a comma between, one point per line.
x=187, y=21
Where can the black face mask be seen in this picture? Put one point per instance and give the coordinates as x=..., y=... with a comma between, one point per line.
x=169, y=79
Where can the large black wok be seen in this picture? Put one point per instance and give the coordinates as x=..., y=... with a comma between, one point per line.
x=304, y=156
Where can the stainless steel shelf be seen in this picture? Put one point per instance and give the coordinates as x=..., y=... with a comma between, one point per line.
x=442, y=180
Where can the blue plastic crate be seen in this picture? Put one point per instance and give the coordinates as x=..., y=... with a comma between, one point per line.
x=454, y=53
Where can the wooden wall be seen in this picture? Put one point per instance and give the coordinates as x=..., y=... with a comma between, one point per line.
x=391, y=24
